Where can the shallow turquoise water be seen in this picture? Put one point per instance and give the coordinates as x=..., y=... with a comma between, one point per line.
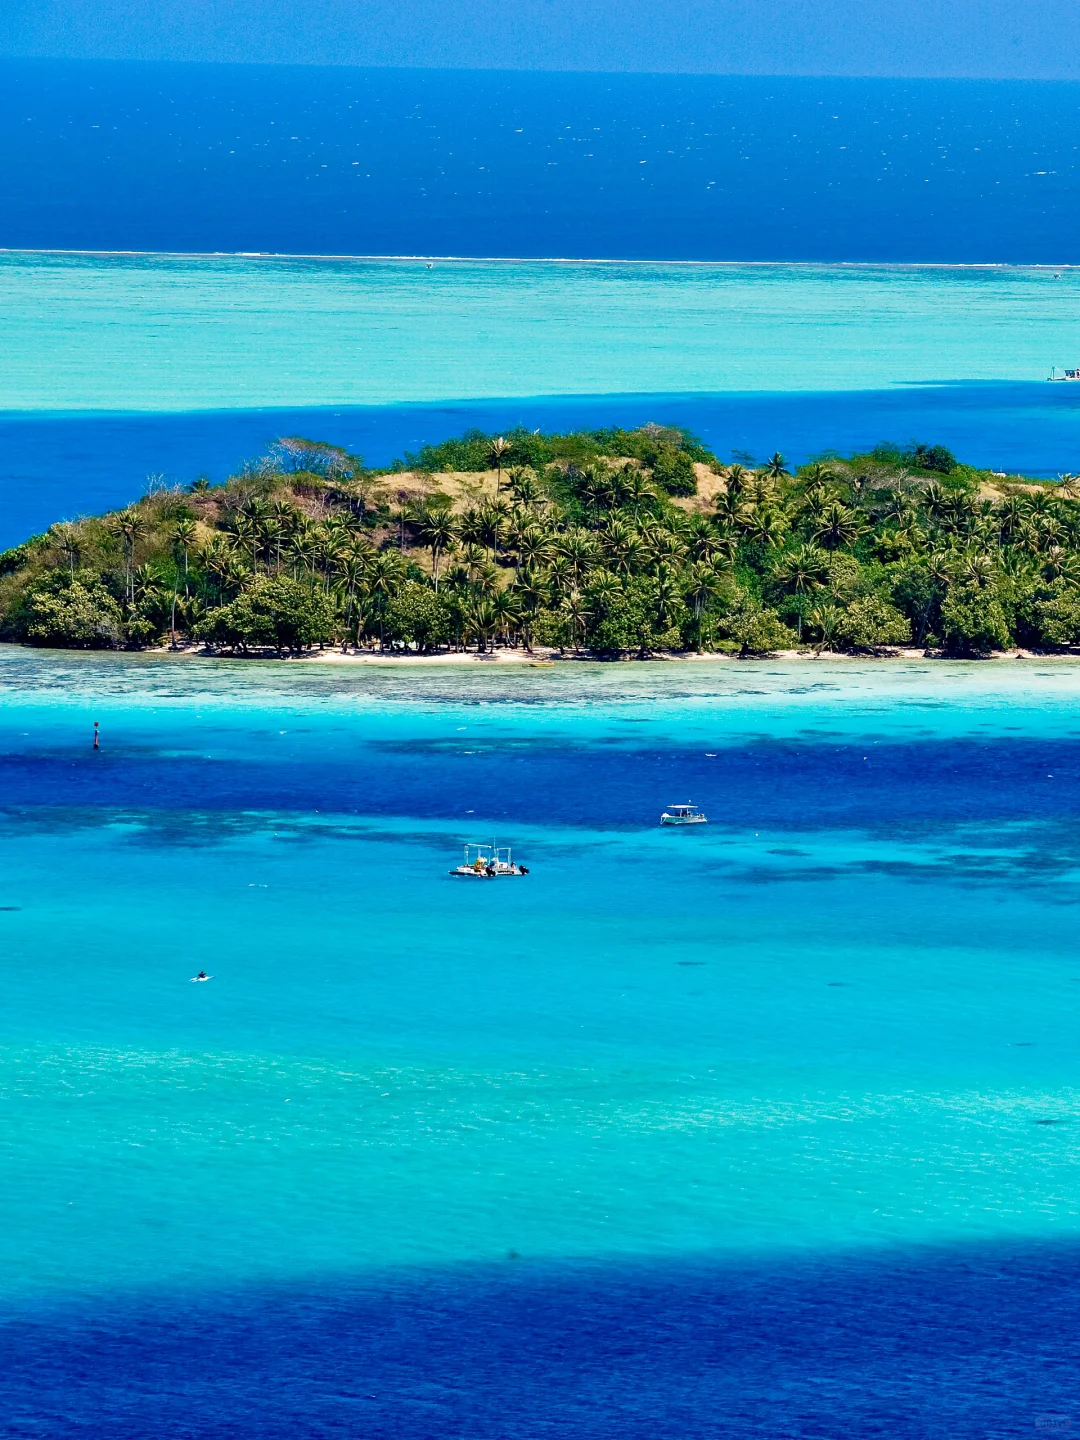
x=149, y=333
x=839, y=1017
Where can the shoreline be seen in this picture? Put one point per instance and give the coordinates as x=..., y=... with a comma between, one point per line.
x=545, y=659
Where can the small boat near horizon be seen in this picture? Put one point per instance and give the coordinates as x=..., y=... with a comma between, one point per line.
x=683, y=815
x=488, y=862
x=1064, y=376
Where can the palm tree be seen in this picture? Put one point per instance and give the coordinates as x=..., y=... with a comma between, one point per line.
x=500, y=448
x=934, y=497
x=578, y=549
x=534, y=547
x=146, y=584
x=667, y=547
x=839, y=526
x=211, y=558
x=560, y=577
x=700, y=538
x=593, y=488
x=285, y=517
x=438, y=531
x=336, y=548
x=480, y=620
x=736, y=480
x=575, y=608
x=766, y=524
x=184, y=531
x=506, y=608
x=353, y=572
x=246, y=530
x=817, y=473
x=259, y=513
x=474, y=558
x=69, y=541
x=523, y=486
x=495, y=519
x=129, y=524
x=384, y=574
x=604, y=588
x=801, y=570
x=531, y=592
x=910, y=535
x=727, y=549
x=1050, y=531
x=776, y=466
x=827, y=619
x=234, y=571
x=815, y=501
x=1040, y=503
x=515, y=531
x=472, y=527
x=976, y=569
x=639, y=496
x=485, y=579
x=303, y=549
x=668, y=595
x=730, y=509
x=1062, y=564
x=941, y=565
x=703, y=584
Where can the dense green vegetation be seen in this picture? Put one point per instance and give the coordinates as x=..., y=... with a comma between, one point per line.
x=610, y=542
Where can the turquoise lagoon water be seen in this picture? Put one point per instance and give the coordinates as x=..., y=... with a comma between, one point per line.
x=172, y=333
x=842, y=1017
x=768, y=1127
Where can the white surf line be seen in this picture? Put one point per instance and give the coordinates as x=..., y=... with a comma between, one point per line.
x=558, y=260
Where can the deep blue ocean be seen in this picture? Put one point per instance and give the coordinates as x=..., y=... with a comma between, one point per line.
x=335, y=161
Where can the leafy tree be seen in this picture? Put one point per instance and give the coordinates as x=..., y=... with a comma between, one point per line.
x=973, y=621
x=929, y=457
x=917, y=592
x=754, y=628
x=414, y=616
x=1057, y=617
x=871, y=622
x=273, y=611
x=79, y=615
x=673, y=472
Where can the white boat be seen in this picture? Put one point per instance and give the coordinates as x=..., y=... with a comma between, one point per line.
x=488, y=862
x=1065, y=374
x=683, y=815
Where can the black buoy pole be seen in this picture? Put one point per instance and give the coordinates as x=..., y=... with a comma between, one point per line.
x=96, y=745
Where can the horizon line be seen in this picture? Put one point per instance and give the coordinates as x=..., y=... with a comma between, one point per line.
x=546, y=70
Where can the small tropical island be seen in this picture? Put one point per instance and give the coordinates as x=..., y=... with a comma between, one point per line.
x=602, y=544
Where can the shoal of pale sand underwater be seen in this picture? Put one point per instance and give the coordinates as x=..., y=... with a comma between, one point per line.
x=166, y=332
